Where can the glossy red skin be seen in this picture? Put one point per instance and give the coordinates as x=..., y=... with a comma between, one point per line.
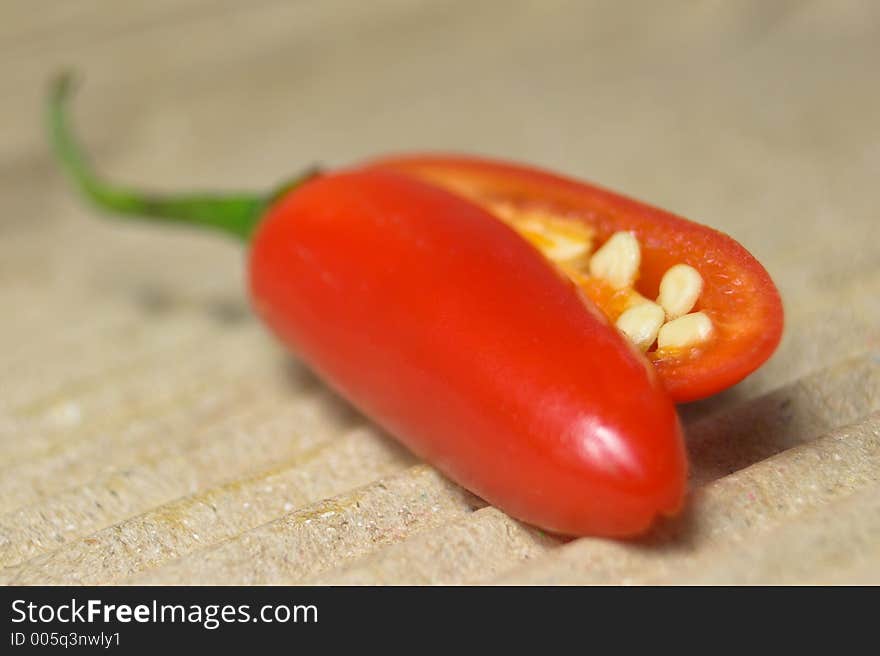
x=446, y=328
x=739, y=295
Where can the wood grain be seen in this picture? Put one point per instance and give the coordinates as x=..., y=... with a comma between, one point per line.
x=151, y=431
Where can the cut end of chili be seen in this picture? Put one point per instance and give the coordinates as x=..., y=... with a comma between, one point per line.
x=701, y=308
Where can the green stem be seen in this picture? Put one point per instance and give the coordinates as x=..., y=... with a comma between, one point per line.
x=237, y=214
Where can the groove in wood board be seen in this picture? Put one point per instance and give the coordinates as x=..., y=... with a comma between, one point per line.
x=135, y=384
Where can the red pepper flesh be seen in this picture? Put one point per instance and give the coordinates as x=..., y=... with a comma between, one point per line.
x=453, y=333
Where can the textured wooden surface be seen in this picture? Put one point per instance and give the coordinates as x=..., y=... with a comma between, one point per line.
x=150, y=430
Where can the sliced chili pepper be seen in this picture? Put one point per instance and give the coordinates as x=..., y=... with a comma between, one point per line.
x=403, y=285
x=737, y=296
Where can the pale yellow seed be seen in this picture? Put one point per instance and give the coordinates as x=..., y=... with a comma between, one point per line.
x=617, y=262
x=689, y=330
x=641, y=323
x=555, y=246
x=567, y=243
x=680, y=288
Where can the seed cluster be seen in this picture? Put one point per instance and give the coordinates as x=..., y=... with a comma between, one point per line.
x=667, y=322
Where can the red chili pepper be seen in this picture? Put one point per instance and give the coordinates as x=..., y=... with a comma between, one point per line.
x=409, y=287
